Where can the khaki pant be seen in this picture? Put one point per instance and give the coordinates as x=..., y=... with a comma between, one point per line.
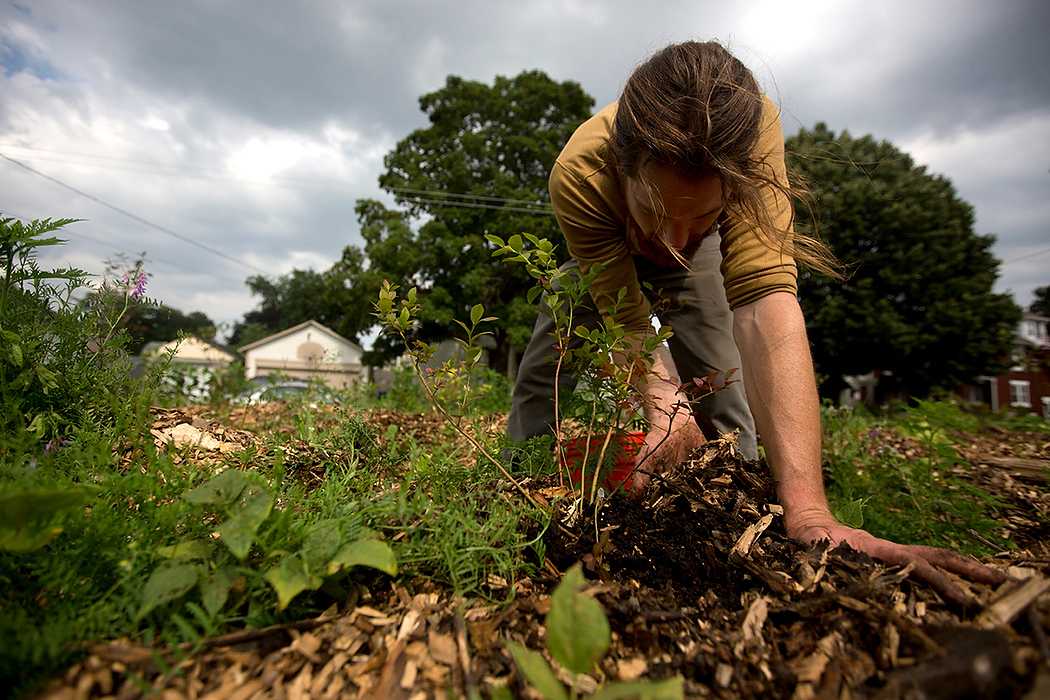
x=702, y=343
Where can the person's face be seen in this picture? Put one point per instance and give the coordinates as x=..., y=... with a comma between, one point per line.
x=689, y=204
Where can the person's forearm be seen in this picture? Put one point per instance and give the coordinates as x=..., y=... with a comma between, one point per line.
x=782, y=394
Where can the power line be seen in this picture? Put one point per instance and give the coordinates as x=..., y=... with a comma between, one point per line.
x=1027, y=256
x=477, y=205
x=426, y=197
x=84, y=237
x=487, y=198
x=134, y=217
x=167, y=170
x=473, y=201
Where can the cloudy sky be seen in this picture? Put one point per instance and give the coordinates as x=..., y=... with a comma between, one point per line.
x=227, y=138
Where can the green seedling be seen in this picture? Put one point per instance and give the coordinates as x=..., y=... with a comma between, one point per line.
x=578, y=636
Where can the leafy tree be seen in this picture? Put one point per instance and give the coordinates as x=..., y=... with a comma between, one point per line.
x=355, y=280
x=480, y=167
x=287, y=300
x=1041, y=305
x=918, y=301
x=163, y=323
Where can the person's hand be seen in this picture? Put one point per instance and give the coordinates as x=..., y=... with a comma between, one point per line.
x=926, y=559
x=667, y=444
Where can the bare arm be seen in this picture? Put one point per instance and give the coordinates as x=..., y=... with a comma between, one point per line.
x=781, y=390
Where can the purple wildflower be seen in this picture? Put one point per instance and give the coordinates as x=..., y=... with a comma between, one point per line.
x=140, y=285
x=873, y=434
x=54, y=446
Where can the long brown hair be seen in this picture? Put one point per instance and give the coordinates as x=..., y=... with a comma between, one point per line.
x=695, y=107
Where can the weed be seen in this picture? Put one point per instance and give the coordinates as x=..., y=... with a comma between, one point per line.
x=578, y=636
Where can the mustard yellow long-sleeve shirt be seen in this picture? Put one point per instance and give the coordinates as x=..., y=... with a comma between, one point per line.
x=589, y=201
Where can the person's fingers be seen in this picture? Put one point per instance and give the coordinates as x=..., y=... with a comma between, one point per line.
x=959, y=564
x=639, y=483
x=945, y=588
x=926, y=562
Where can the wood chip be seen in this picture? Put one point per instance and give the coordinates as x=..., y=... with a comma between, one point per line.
x=1009, y=608
x=743, y=545
x=755, y=619
x=442, y=648
x=631, y=669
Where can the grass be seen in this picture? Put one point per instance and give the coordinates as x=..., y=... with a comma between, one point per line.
x=925, y=496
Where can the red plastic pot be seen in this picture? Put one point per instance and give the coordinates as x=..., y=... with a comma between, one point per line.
x=618, y=463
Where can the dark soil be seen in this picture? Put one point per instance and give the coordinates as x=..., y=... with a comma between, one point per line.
x=698, y=581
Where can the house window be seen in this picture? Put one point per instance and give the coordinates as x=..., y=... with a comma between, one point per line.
x=1035, y=331
x=1046, y=407
x=1020, y=393
x=1017, y=358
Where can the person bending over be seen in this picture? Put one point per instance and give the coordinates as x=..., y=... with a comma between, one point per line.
x=680, y=189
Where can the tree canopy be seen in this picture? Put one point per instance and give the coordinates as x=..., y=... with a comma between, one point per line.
x=287, y=300
x=917, y=301
x=480, y=167
x=1041, y=305
x=162, y=323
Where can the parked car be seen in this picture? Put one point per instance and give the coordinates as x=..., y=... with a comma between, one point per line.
x=281, y=391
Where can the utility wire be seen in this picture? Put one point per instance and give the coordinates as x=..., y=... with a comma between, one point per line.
x=134, y=217
x=487, y=198
x=1027, y=256
x=210, y=174
x=84, y=237
x=477, y=205
x=166, y=170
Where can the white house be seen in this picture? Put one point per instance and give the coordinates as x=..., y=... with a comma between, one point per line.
x=307, y=351
x=192, y=351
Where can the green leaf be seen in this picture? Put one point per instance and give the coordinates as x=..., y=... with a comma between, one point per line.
x=577, y=630
x=224, y=488
x=47, y=378
x=851, y=514
x=476, y=313
x=215, y=588
x=365, y=552
x=321, y=542
x=166, y=584
x=16, y=355
x=238, y=532
x=290, y=578
x=538, y=672
x=667, y=689
x=30, y=519
x=190, y=549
